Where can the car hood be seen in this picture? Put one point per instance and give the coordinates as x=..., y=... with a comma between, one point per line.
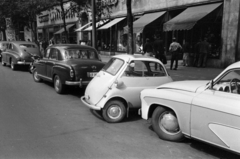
x=190, y=86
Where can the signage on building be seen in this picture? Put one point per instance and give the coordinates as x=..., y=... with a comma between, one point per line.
x=44, y=18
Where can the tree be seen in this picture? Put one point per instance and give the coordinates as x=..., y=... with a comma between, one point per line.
x=130, y=26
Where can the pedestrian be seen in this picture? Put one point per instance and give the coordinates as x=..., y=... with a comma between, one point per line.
x=148, y=48
x=186, y=51
x=196, y=53
x=158, y=49
x=175, y=48
x=204, y=49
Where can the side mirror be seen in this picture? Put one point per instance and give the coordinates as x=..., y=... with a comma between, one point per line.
x=119, y=83
x=132, y=64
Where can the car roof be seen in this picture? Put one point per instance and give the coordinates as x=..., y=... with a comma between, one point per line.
x=66, y=46
x=234, y=65
x=126, y=57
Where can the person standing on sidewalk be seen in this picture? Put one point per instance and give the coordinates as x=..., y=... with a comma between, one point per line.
x=175, y=48
x=186, y=51
x=158, y=49
x=204, y=49
x=148, y=48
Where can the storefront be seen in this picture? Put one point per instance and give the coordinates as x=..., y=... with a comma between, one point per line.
x=50, y=26
x=185, y=20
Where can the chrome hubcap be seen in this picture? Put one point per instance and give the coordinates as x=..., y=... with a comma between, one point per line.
x=168, y=123
x=114, y=112
x=57, y=84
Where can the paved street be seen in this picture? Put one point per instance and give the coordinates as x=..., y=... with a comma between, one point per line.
x=36, y=122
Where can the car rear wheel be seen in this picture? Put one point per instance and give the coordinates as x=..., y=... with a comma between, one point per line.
x=3, y=63
x=13, y=66
x=36, y=78
x=114, y=111
x=58, y=86
x=165, y=124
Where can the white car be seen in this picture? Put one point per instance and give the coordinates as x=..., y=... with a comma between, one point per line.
x=204, y=110
x=116, y=88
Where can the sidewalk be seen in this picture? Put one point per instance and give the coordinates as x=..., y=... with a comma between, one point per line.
x=185, y=73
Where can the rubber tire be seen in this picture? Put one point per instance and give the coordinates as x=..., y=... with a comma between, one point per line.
x=3, y=63
x=61, y=87
x=13, y=66
x=109, y=105
x=36, y=79
x=155, y=119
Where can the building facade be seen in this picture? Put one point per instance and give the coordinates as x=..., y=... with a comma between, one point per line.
x=187, y=20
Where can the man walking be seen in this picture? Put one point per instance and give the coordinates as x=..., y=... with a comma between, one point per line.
x=204, y=49
x=175, y=48
x=159, y=50
x=147, y=48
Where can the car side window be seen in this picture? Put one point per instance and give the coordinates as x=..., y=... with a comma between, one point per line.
x=53, y=54
x=10, y=47
x=229, y=83
x=136, y=69
x=47, y=53
x=155, y=69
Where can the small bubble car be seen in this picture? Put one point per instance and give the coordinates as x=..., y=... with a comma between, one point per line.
x=116, y=88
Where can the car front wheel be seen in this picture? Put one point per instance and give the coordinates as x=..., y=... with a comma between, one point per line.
x=36, y=78
x=58, y=86
x=165, y=124
x=114, y=111
x=3, y=63
x=13, y=66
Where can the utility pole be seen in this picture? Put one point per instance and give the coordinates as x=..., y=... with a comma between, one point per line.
x=93, y=24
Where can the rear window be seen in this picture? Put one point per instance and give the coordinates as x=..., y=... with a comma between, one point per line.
x=80, y=54
x=113, y=66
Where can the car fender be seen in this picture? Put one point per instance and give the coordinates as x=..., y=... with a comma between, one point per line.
x=177, y=100
x=61, y=70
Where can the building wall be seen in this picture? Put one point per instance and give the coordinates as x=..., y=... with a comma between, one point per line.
x=230, y=32
x=140, y=6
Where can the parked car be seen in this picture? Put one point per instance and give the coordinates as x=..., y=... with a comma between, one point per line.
x=67, y=65
x=3, y=45
x=116, y=88
x=204, y=110
x=19, y=53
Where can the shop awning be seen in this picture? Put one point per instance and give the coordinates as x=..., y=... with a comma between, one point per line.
x=62, y=29
x=83, y=27
x=189, y=17
x=139, y=24
x=97, y=25
x=111, y=23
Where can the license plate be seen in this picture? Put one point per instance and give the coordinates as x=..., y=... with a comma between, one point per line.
x=92, y=74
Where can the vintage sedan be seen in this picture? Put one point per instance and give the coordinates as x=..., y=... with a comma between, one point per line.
x=204, y=110
x=116, y=88
x=19, y=53
x=67, y=65
x=3, y=45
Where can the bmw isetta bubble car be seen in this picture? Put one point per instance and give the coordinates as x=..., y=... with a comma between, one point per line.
x=116, y=88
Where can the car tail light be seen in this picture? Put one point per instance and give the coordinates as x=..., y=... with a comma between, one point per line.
x=71, y=73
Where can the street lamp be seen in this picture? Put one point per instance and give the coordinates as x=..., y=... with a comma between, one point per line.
x=93, y=25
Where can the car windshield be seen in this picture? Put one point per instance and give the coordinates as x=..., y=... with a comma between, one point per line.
x=113, y=66
x=80, y=54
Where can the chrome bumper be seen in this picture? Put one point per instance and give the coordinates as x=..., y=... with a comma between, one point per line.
x=23, y=63
x=75, y=83
x=89, y=105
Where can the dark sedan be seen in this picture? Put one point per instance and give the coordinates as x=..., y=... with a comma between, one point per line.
x=67, y=65
x=19, y=53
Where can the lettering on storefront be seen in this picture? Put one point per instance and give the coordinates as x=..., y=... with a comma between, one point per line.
x=109, y=2
x=44, y=18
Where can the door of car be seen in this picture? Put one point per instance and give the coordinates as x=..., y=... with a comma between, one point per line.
x=53, y=58
x=216, y=112
x=104, y=80
x=141, y=75
x=41, y=65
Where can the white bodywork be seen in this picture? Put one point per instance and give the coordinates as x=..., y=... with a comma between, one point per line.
x=104, y=86
x=205, y=110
